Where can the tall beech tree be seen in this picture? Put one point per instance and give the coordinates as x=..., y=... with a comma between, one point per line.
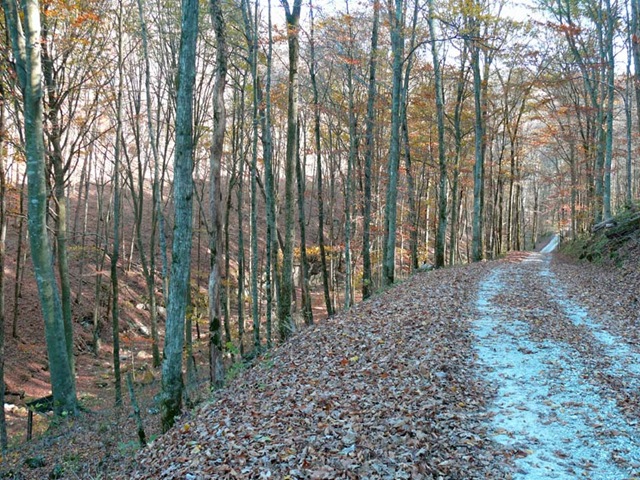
x=149, y=263
x=318, y=148
x=3, y=235
x=115, y=252
x=475, y=47
x=24, y=29
x=367, y=278
x=442, y=161
x=179, y=283
x=215, y=197
x=396, y=20
x=285, y=321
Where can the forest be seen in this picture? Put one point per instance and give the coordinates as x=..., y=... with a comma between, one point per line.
x=228, y=172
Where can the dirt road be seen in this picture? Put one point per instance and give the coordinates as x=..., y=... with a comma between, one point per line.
x=559, y=377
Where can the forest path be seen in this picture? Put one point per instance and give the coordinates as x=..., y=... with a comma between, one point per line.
x=560, y=377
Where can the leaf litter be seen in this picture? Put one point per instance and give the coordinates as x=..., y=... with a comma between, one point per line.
x=496, y=370
x=386, y=390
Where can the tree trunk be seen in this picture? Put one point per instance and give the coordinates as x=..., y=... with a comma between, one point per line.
x=216, y=365
x=241, y=258
x=635, y=39
x=307, y=312
x=367, y=278
x=457, y=127
x=253, y=55
x=3, y=236
x=320, y=193
x=149, y=270
x=172, y=384
x=411, y=189
x=285, y=322
x=272, y=283
x=21, y=255
x=397, y=46
x=609, y=62
x=54, y=153
x=442, y=162
x=27, y=52
x=477, y=250
x=351, y=160
x=115, y=253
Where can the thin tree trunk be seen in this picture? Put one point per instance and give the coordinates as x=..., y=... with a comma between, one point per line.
x=241, y=259
x=477, y=250
x=442, y=161
x=115, y=253
x=635, y=51
x=397, y=46
x=609, y=61
x=142, y=438
x=254, y=182
x=367, y=278
x=307, y=312
x=271, y=268
x=318, y=147
x=628, y=111
x=3, y=236
x=411, y=189
x=457, y=126
x=83, y=205
x=351, y=160
x=20, y=261
x=149, y=270
x=285, y=321
x=216, y=364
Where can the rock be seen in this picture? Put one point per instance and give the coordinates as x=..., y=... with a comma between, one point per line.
x=349, y=438
x=141, y=306
x=142, y=328
x=142, y=355
x=15, y=409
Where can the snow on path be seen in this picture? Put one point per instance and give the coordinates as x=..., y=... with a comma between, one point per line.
x=552, y=245
x=558, y=424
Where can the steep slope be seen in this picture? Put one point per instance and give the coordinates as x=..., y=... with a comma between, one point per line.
x=427, y=381
x=386, y=390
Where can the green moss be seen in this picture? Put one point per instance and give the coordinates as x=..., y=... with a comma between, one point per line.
x=606, y=245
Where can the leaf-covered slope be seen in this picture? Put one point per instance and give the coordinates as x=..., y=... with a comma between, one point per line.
x=386, y=390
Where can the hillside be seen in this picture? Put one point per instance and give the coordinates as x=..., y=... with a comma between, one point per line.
x=384, y=390
x=413, y=385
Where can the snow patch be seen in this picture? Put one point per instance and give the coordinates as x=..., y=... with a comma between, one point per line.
x=552, y=245
x=559, y=425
